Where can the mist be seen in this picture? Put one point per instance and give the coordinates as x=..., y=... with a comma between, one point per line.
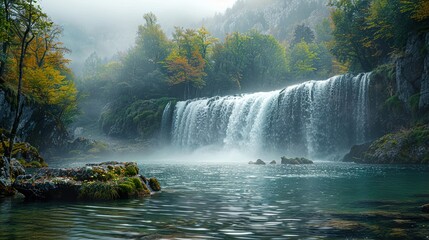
x=109, y=27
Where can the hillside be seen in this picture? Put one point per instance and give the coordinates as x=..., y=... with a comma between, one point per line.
x=275, y=17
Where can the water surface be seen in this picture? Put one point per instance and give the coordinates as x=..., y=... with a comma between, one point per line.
x=208, y=200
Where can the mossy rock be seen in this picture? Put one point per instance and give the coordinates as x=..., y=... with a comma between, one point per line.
x=26, y=154
x=154, y=184
x=408, y=146
x=103, y=181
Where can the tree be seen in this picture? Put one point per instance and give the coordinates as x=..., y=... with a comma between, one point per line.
x=324, y=31
x=419, y=9
x=5, y=35
x=303, y=60
x=143, y=64
x=186, y=63
x=302, y=33
x=350, y=33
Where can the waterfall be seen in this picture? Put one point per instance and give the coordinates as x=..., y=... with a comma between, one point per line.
x=315, y=118
x=166, y=123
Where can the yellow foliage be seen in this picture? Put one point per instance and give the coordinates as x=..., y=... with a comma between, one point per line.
x=45, y=76
x=419, y=9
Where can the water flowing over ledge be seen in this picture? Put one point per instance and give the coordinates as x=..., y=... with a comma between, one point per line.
x=314, y=119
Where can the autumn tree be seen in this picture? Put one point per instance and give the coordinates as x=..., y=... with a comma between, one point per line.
x=186, y=63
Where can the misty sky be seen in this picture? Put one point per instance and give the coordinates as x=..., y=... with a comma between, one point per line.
x=109, y=26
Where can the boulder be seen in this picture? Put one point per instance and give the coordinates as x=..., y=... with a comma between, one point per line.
x=273, y=162
x=408, y=146
x=295, y=161
x=154, y=184
x=357, y=153
x=27, y=155
x=103, y=181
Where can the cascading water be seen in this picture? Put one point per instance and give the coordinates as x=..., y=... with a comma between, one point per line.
x=315, y=119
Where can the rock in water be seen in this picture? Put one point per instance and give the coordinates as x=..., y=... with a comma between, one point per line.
x=408, y=146
x=258, y=162
x=357, y=153
x=273, y=162
x=104, y=181
x=295, y=161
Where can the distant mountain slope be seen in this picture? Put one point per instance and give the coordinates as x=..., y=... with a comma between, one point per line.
x=275, y=17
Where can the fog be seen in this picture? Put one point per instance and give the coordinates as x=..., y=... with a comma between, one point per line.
x=108, y=26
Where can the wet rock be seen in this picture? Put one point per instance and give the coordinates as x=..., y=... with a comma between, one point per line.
x=357, y=153
x=16, y=168
x=102, y=181
x=154, y=184
x=295, y=161
x=258, y=162
x=408, y=146
x=273, y=162
x=425, y=208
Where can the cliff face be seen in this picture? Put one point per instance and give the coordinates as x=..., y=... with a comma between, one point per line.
x=412, y=72
x=36, y=126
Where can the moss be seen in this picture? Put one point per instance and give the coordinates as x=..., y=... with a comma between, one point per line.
x=26, y=154
x=141, y=118
x=98, y=191
x=414, y=102
x=393, y=104
x=131, y=170
x=129, y=187
x=137, y=183
x=154, y=184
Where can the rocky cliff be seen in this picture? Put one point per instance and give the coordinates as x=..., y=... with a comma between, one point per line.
x=36, y=127
x=412, y=72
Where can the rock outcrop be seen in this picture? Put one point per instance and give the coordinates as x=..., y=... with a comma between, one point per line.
x=408, y=146
x=27, y=155
x=104, y=181
x=36, y=126
x=412, y=71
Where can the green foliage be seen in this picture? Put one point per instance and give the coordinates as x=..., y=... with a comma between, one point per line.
x=26, y=154
x=324, y=31
x=302, y=60
x=247, y=62
x=414, y=102
x=140, y=118
x=302, y=33
x=366, y=32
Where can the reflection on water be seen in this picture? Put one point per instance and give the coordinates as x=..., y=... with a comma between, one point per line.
x=324, y=200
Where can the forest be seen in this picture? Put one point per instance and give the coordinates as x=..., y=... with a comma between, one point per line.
x=330, y=97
